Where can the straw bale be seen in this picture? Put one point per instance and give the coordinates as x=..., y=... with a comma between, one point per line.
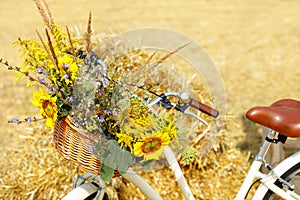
x=34, y=170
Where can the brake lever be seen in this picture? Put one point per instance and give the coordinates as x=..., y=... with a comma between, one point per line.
x=195, y=116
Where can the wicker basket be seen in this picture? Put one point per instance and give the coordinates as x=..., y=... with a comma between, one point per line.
x=74, y=145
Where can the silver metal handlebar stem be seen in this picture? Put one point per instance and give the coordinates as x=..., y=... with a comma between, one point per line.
x=178, y=95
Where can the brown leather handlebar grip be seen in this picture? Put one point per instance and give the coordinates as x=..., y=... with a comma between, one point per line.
x=204, y=108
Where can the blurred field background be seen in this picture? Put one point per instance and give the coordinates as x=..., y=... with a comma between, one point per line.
x=253, y=43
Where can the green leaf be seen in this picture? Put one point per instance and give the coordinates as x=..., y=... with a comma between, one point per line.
x=100, y=150
x=106, y=173
x=121, y=158
x=112, y=157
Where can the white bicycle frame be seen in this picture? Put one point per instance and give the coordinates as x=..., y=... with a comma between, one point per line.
x=267, y=180
x=254, y=174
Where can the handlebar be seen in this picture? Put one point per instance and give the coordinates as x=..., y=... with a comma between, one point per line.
x=184, y=102
x=204, y=108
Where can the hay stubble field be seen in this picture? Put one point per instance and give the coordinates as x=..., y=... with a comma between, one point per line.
x=253, y=43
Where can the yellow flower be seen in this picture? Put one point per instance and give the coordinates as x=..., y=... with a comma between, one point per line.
x=171, y=129
x=68, y=69
x=47, y=105
x=124, y=140
x=151, y=147
x=140, y=113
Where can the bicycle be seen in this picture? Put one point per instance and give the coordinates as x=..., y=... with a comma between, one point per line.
x=282, y=117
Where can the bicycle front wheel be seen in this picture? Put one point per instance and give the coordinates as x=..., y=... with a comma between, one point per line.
x=290, y=174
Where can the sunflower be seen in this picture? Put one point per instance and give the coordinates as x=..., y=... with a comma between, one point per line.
x=47, y=105
x=151, y=147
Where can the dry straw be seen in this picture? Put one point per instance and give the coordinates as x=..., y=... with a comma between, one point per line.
x=34, y=170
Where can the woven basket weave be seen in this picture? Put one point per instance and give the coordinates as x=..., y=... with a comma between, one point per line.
x=74, y=145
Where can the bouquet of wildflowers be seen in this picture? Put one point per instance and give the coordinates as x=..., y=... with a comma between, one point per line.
x=104, y=96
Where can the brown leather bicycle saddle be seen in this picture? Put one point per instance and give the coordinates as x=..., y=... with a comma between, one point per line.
x=282, y=116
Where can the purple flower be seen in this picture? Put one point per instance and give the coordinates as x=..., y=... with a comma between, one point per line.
x=101, y=119
x=39, y=70
x=107, y=112
x=104, y=81
x=42, y=80
x=66, y=76
x=70, y=99
x=91, y=149
x=28, y=120
x=46, y=73
x=65, y=66
x=15, y=120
